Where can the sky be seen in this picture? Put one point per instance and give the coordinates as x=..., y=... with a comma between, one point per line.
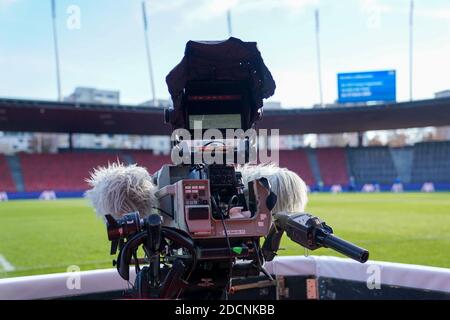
x=101, y=44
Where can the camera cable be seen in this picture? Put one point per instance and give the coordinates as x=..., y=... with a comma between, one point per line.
x=222, y=216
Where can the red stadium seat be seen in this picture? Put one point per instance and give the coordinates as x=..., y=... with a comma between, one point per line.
x=61, y=172
x=297, y=161
x=150, y=161
x=6, y=181
x=333, y=166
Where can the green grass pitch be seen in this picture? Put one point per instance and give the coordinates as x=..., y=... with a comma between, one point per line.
x=38, y=237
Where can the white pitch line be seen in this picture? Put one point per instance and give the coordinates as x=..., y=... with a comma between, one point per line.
x=6, y=265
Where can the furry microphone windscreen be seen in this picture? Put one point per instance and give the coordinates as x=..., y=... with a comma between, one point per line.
x=118, y=190
x=291, y=190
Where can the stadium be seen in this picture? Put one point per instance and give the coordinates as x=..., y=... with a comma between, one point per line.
x=392, y=197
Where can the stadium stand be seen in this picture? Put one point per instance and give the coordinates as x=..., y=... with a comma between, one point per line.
x=63, y=172
x=372, y=165
x=297, y=161
x=431, y=162
x=67, y=171
x=314, y=164
x=152, y=162
x=16, y=172
x=6, y=180
x=333, y=165
x=403, y=161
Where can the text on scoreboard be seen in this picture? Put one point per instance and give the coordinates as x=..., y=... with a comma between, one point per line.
x=367, y=86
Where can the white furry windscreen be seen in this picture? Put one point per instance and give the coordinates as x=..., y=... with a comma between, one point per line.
x=291, y=190
x=118, y=189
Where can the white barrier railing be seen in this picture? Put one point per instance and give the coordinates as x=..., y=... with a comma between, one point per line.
x=390, y=273
x=98, y=281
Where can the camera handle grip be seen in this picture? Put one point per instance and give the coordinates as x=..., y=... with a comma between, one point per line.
x=154, y=225
x=272, y=243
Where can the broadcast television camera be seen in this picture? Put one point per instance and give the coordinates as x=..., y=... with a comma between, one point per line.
x=208, y=226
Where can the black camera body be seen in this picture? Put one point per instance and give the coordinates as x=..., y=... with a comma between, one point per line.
x=208, y=218
x=209, y=225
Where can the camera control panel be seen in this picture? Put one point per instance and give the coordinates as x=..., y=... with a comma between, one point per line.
x=197, y=207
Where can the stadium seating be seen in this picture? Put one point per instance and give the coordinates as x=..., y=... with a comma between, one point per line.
x=372, y=165
x=333, y=166
x=403, y=161
x=6, y=180
x=431, y=162
x=425, y=162
x=62, y=172
x=297, y=161
x=150, y=161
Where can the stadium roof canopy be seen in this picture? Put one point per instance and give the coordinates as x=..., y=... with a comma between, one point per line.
x=63, y=117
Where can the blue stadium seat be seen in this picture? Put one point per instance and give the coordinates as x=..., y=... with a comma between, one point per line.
x=372, y=165
x=431, y=162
